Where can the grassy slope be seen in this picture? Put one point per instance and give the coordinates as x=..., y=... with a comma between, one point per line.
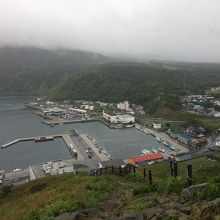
x=50, y=196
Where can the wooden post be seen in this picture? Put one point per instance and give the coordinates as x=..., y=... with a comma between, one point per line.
x=106, y=169
x=134, y=170
x=150, y=176
x=171, y=167
x=112, y=168
x=189, y=174
x=126, y=169
x=120, y=170
x=175, y=169
x=129, y=168
x=100, y=171
x=145, y=173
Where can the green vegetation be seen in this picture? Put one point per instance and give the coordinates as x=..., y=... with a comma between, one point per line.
x=67, y=74
x=50, y=196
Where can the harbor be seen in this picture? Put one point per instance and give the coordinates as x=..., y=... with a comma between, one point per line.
x=113, y=143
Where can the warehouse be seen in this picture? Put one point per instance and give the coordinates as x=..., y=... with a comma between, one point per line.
x=143, y=159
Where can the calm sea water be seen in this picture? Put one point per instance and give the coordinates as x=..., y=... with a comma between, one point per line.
x=16, y=121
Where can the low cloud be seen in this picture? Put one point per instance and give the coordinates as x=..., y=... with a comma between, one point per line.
x=172, y=30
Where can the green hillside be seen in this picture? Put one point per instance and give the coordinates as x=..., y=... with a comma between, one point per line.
x=114, y=196
x=64, y=74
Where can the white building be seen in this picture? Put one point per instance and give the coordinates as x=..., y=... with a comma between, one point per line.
x=77, y=110
x=124, y=106
x=91, y=107
x=50, y=168
x=156, y=125
x=124, y=119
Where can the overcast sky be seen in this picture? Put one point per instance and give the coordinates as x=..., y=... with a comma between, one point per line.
x=187, y=30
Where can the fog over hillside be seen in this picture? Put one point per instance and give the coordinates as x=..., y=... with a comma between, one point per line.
x=145, y=29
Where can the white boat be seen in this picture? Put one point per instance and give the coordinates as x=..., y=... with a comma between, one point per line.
x=104, y=152
x=16, y=170
x=146, y=151
x=162, y=149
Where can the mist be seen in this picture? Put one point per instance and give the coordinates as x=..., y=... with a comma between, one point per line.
x=183, y=30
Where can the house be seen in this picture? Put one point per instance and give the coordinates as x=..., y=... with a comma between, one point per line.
x=196, y=131
x=156, y=125
x=141, y=160
x=174, y=133
x=50, y=168
x=198, y=142
x=184, y=138
x=215, y=89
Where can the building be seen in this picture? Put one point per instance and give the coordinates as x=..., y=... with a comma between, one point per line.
x=78, y=110
x=113, y=162
x=174, y=133
x=53, y=111
x=184, y=138
x=143, y=159
x=50, y=168
x=215, y=89
x=110, y=117
x=123, y=119
x=156, y=125
x=124, y=106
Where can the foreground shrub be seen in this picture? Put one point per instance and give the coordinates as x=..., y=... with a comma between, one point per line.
x=136, y=177
x=142, y=188
x=211, y=191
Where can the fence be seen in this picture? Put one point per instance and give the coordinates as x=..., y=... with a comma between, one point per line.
x=127, y=169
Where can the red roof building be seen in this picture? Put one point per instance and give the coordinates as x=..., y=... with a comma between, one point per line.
x=147, y=157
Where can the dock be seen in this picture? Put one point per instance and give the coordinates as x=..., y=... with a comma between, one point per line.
x=101, y=156
x=37, y=139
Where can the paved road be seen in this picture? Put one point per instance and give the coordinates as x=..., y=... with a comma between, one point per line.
x=101, y=156
x=82, y=145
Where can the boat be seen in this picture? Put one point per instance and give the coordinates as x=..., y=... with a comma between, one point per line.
x=146, y=151
x=129, y=126
x=138, y=127
x=165, y=143
x=146, y=132
x=104, y=152
x=51, y=125
x=44, y=138
x=171, y=146
x=154, y=150
x=162, y=149
x=158, y=139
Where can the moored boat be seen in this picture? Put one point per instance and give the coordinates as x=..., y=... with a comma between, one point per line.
x=154, y=150
x=162, y=149
x=146, y=151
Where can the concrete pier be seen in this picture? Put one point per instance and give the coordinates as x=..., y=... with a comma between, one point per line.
x=70, y=144
x=37, y=138
x=101, y=156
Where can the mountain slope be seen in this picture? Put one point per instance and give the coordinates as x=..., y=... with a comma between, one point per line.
x=29, y=60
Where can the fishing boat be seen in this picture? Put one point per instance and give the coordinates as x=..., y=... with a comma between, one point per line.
x=104, y=152
x=146, y=132
x=171, y=146
x=154, y=150
x=146, y=151
x=162, y=149
x=158, y=139
x=165, y=143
